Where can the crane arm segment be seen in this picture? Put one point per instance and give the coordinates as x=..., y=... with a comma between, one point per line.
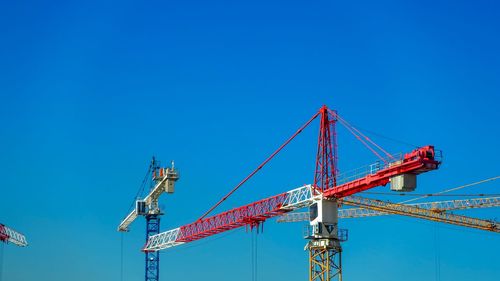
x=437, y=206
x=251, y=214
x=163, y=183
x=419, y=161
x=7, y=234
x=127, y=221
x=413, y=211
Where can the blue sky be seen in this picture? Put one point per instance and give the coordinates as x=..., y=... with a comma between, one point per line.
x=90, y=91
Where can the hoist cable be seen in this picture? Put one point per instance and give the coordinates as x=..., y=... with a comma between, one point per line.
x=141, y=187
x=388, y=138
x=347, y=124
x=361, y=140
x=260, y=166
x=121, y=256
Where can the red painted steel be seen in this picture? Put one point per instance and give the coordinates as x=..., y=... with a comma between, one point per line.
x=4, y=237
x=326, y=158
x=252, y=214
x=418, y=161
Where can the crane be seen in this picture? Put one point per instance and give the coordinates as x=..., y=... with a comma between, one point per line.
x=436, y=206
x=434, y=211
x=325, y=264
x=417, y=212
x=163, y=180
x=8, y=234
x=322, y=196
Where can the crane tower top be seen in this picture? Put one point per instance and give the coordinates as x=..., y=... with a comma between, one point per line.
x=164, y=179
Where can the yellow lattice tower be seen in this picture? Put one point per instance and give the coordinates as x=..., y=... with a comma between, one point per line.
x=325, y=261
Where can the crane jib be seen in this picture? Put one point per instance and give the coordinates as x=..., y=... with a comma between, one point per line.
x=7, y=234
x=420, y=160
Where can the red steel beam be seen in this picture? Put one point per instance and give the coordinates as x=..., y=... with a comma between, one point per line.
x=4, y=237
x=419, y=161
x=252, y=214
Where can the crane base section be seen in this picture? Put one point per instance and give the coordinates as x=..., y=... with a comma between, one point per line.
x=325, y=261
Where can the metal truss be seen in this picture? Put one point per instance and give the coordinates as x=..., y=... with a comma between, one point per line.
x=152, y=258
x=437, y=206
x=325, y=261
x=418, y=161
x=152, y=198
x=325, y=174
x=417, y=212
x=154, y=194
x=163, y=240
x=461, y=204
x=251, y=214
x=7, y=234
x=300, y=197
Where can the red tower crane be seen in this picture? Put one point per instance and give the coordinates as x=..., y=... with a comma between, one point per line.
x=321, y=196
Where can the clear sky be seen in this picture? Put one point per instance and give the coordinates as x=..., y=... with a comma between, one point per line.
x=90, y=90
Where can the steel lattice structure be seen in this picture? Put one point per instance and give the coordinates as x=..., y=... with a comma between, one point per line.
x=413, y=211
x=325, y=263
x=250, y=214
x=8, y=234
x=328, y=185
x=163, y=180
x=436, y=206
x=152, y=272
x=256, y=212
